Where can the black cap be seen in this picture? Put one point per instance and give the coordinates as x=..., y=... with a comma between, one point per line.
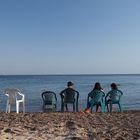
x=69, y=83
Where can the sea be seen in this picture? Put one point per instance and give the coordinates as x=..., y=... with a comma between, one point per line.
x=33, y=86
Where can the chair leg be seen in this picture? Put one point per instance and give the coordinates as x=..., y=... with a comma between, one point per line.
x=66, y=107
x=9, y=108
x=107, y=107
x=54, y=107
x=73, y=107
x=102, y=107
x=120, y=107
x=62, y=106
x=77, y=106
x=62, y=109
x=23, y=107
x=110, y=107
x=97, y=108
x=17, y=107
x=91, y=108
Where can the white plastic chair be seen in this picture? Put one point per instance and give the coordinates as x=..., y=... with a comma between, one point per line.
x=14, y=97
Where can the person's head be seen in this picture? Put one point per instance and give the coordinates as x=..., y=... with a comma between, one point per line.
x=97, y=86
x=69, y=84
x=114, y=86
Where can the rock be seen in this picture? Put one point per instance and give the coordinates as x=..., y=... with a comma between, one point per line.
x=8, y=130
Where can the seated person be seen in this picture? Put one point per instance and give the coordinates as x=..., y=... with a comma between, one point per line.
x=97, y=86
x=108, y=96
x=69, y=91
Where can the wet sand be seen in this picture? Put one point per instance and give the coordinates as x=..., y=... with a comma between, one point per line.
x=70, y=126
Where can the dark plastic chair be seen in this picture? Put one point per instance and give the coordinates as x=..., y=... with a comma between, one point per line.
x=49, y=100
x=96, y=97
x=114, y=98
x=70, y=98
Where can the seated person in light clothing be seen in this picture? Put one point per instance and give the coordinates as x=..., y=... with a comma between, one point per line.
x=97, y=86
x=108, y=96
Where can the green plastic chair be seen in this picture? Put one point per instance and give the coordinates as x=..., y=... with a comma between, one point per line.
x=49, y=100
x=96, y=97
x=114, y=98
x=70, y=98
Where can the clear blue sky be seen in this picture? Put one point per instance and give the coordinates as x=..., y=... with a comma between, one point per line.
x=69, y=36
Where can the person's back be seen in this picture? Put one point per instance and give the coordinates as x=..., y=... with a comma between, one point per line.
x=97, y=87
x=113, y=95
x=94, y=94
x=110, y=93
x=68, y=95
x=69, y=90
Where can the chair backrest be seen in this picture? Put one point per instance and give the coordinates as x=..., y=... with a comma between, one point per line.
x=49, y=97
x=96, y=96
x=70, y=96
x=12, y=94
x=115, y=95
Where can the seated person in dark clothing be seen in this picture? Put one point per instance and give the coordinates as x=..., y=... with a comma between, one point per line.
x=68, y=94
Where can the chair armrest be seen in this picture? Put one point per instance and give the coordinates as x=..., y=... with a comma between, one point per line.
x=22, y=95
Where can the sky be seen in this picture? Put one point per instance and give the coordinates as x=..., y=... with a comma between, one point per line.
x=69, y=37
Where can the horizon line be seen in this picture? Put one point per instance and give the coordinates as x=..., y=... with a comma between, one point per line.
x=66, y=74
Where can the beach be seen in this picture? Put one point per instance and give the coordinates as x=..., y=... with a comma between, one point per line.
x=70, y=126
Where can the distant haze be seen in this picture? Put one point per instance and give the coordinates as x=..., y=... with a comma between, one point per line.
x=69, y=36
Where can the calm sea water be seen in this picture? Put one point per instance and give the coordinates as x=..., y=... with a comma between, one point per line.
x=33, y=85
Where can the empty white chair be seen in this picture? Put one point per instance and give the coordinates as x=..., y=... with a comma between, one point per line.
x=14, y=97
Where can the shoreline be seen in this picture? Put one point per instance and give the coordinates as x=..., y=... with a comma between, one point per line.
x=71, y=126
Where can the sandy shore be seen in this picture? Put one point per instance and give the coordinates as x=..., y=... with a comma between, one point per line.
x=70, y=126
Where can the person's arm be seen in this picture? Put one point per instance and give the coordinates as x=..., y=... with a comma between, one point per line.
x=107, y=95
x=120, y=92
x=77, y=92
x=62, y=93
x=90, y=94
x=103, y=92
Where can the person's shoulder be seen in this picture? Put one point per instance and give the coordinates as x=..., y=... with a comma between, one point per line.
x=91, y=92
x=120, y=91
x=63, y=90
x=102, y=90
x=76, y=91
x=112, y=91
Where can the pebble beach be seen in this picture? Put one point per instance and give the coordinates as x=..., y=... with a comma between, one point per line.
x=70, y=126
